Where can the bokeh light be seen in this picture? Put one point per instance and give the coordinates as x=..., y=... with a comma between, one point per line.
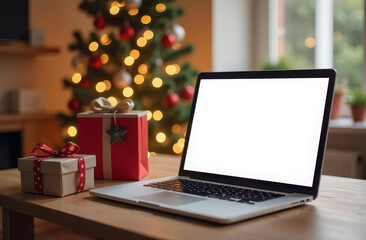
x=72, y=131
x=157, y=82
x=146, y=19
x=160, y=137
x=141, y=42
x=100, y=87
x=142, y=69
x=160, y=7
x=76, y=78
x=93, y=46
x=127, y=92
x=157, y=115
x=113, y=100
x=139, y=79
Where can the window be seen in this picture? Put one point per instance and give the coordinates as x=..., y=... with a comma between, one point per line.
x=305, y=33
x=348, y=34
x=300, y=33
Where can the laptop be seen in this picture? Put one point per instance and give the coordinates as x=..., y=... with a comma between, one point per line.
x=254, y=145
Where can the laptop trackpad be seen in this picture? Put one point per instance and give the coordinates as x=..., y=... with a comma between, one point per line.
x=170, y=198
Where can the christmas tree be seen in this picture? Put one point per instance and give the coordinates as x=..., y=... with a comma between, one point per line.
x=134, y=53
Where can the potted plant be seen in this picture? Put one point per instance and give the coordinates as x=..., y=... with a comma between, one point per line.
x=340, y=89
x=283, y=63
x=357, y=101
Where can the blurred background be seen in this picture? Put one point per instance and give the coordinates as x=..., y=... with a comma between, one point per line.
x=230, y=35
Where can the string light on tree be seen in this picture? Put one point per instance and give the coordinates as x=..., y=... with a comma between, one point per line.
x=129, y=60
x=76, y=78
x=181, y=142
x=160, y=7
x=127, y=92
x=113, y=100
x=114, y=10
x=120, y=4
x=133, y=11
x=171, y=69
x=72, y=131
x=177, y=149
x=146, y=19
x=177, y=68
x=93, y=46
x=100, y=87
x=108, y=85
x=141, y=42
x=139, y=79
x=130, y=52
x=160, y=137
x=176, y=128
x=135, y=53
x=105, y=40
x=148, y=34
x=142, y=69
x=157, y=82
x=149, y=115
x=104, y=58
x=157, y=115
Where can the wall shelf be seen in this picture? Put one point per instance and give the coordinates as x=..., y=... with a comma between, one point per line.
x=25, y=49
x=34, y=127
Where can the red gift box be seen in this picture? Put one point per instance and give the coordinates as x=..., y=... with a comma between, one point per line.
x=128, y=160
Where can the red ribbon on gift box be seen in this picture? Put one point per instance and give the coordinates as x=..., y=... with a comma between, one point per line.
x=43, y=152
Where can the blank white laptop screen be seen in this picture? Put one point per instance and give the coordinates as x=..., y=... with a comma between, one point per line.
x=264, y=129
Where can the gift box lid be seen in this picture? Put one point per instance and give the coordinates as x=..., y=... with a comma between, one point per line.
x=56, y=165
x=132, y=114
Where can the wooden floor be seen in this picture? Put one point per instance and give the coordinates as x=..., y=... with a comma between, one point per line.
x=44, y=230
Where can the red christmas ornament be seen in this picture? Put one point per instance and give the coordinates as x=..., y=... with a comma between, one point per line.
x=100, y=22
x=187, y=92
x=168, y=40
x=171, y=100
x=127, y=33
x=75, y=105
x=95, y=61
x=85, y=82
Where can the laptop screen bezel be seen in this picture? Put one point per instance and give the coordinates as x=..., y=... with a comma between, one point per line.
x=254, y=183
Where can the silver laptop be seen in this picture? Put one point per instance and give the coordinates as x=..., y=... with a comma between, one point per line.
x=254, y=145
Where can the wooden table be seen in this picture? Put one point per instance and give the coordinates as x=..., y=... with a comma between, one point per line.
x=338, y=213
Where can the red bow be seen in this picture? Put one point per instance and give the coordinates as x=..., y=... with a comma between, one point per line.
x=68, y=149
x=43, y=152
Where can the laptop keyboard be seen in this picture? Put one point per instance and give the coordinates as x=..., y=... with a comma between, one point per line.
x=211, y=190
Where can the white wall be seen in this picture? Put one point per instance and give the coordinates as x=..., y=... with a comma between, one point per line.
x=230, y=35
x=239, y=34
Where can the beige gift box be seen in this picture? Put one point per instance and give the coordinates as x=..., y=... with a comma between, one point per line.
x=59, y=174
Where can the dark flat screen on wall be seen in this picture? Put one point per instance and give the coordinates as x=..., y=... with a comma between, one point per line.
x=13, y=20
